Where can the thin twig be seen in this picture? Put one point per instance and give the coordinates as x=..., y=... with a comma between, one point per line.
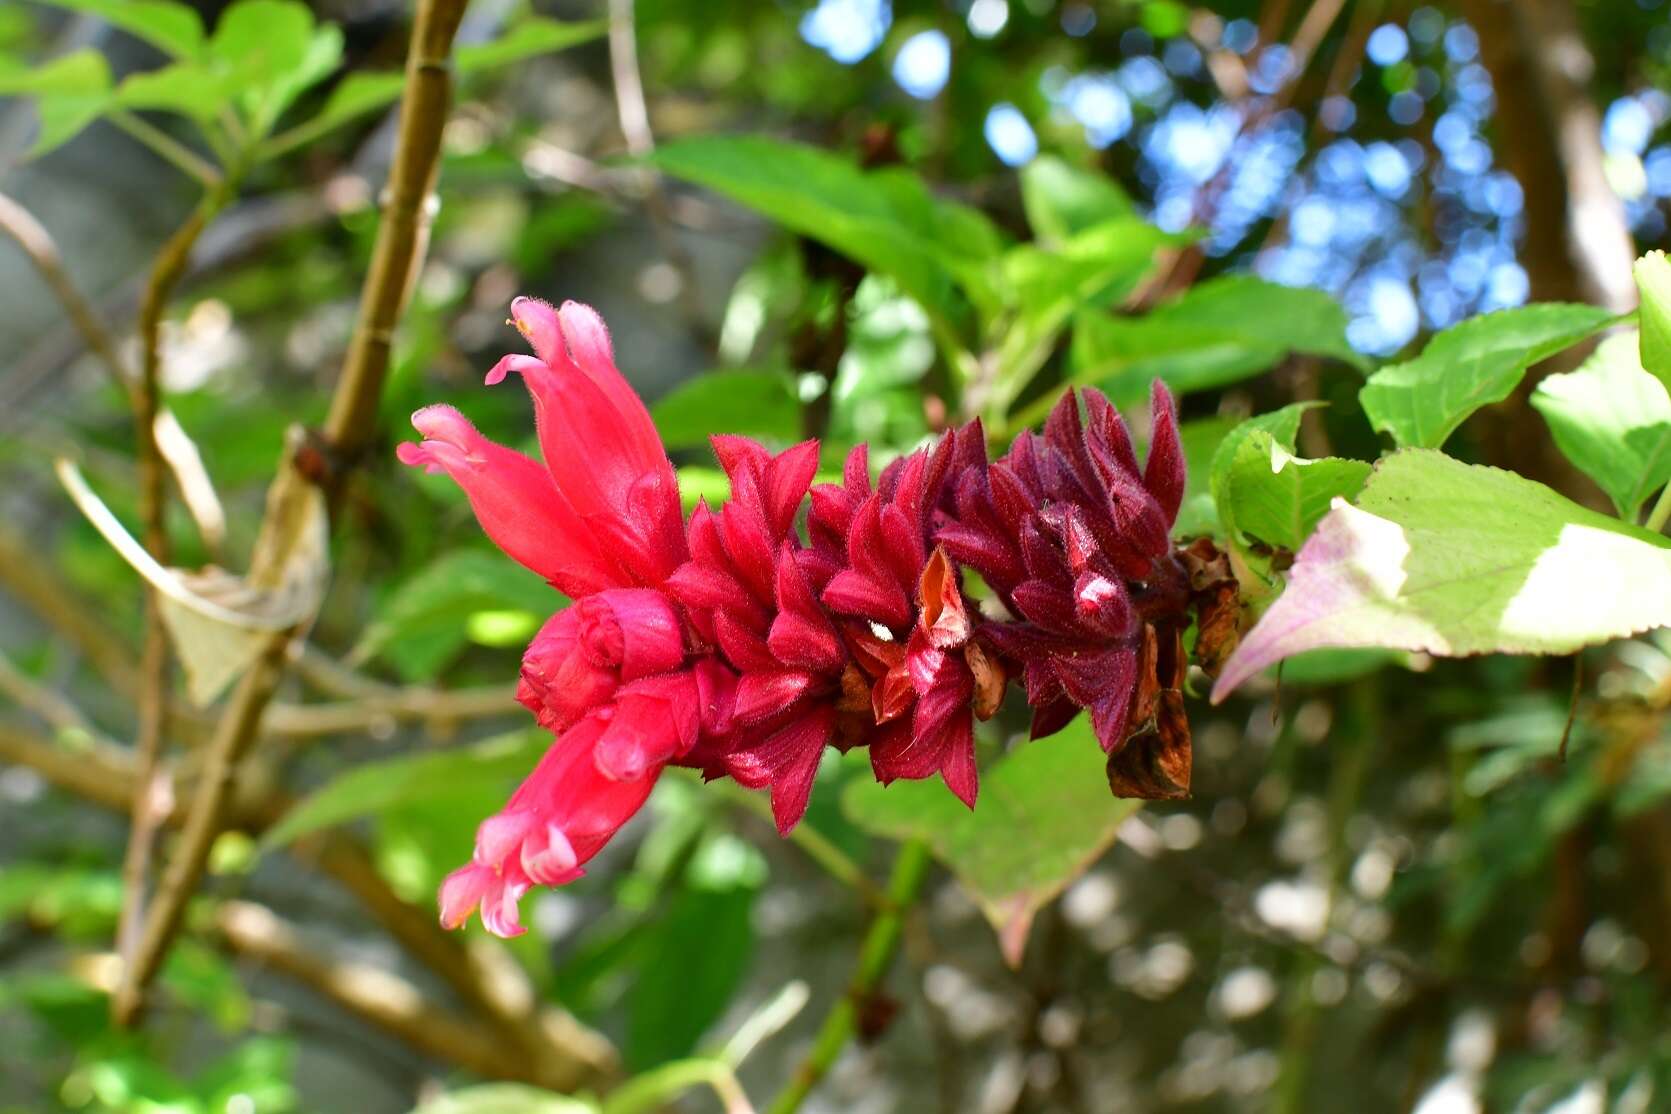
x=168, y=148
x=876, y=955
x=99, y=774
x=422, y=704
x=1661, y=511
x=50, y=707
x=145, y=394
x=29, y=578
x=1572, y=705
x=349, y=428
x=634, y=113
x=377, y=997
x=30, y=235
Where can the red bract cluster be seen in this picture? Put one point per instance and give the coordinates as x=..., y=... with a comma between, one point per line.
x=737, y=644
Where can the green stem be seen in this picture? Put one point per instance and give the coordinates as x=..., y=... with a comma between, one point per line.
x=818, y=847
x=169, y=148
x=654, y=1089
x=1661, y=511
x=876, y=955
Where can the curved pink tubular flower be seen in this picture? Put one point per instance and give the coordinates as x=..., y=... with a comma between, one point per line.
x=558, y=818
x=596, y=436
x=514, y=500
x=584, y=652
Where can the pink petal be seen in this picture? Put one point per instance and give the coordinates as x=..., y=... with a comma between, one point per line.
x=514, y=500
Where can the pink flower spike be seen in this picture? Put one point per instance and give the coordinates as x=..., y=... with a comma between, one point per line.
x=514, y=501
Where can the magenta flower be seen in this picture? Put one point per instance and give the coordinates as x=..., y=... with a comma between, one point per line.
x=1075, y=541
x=736, y=645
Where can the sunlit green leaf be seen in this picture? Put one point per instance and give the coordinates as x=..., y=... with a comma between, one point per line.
x=700, y=950
x=168, y=25
x=1613, y=421
x=886, y=219
x=1219, y=332
x=1063, y=200
x=1096, y=267
x=1274, y=496
x=362, y=92
x=1481, y=361
x=1653, y=284
x=424, y=622
x=1454, y=559
x=70, y=92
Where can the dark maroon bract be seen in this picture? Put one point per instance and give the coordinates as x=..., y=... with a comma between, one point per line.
x=736, y=644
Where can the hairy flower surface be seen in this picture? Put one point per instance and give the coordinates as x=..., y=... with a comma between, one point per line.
x=1074, y=540
x=737, y=645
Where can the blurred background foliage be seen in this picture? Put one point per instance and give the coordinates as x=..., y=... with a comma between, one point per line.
x=1387, y=892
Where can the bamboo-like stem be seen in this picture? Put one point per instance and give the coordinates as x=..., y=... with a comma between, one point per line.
x=145, y=395
x=348, y=429
x=876, y=956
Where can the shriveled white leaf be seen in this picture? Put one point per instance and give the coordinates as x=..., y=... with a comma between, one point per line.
x=217, y=620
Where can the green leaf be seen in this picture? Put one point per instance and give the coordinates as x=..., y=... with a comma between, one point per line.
x=1613, y=421
x=760, y=404
x=1222, y=331
x=1201, y=438
x=693, y=961
x=263, y=50
x=70, y=92
x=171, y=27
x=426, y=620
x=1063, y=200
x=1045, y=815
x=1281, y=426
x=1455, y=559
x=439, y=777
x=1278, y=497
x=1653, y=284
x=1096, y=267
x=504, y=1098
x=886, y=220
x=360, y=93
x=1470, y=365
x=189, y=88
